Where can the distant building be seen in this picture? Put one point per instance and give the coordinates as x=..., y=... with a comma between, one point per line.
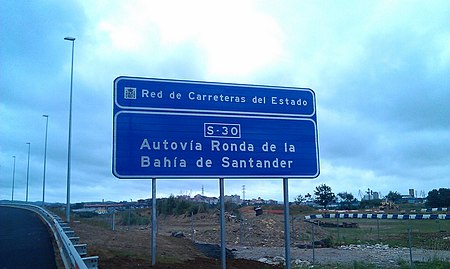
x=260, y=201
x=212, y=200
x=411, y=198
x=102, y=208
x=371, y=196
x=375, y=195
x=205, y=199
x=235, y=199
x=199, y=198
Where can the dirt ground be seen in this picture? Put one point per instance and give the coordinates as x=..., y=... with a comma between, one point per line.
x=130, y=247
x=265, y=230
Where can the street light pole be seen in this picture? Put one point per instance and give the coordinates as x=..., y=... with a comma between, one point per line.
x=28, y=170
x=45, y=159
x=13, y=176
x=71, y=39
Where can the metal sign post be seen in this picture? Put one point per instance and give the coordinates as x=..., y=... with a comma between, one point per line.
x=113, y=224
x=154, y=228
x=313, y=243
x=287, y=236
x=222, y=225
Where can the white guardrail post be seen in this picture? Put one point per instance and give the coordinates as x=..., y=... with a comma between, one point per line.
x=71, y=251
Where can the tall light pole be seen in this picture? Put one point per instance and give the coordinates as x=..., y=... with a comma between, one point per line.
x=71, y=39
x=28, y=170
x=13, y=177
x=45, y=159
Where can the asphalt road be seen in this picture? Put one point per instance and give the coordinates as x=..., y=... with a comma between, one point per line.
x=25, y=241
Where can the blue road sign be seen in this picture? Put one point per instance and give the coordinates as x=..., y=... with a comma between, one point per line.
x=189, y=96
x=161, y=130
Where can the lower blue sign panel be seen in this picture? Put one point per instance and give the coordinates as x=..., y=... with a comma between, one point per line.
x=171, y=145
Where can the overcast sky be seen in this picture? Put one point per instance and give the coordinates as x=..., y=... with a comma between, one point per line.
x=380, y=71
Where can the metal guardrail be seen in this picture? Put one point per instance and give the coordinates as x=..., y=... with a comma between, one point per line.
x=73, y=254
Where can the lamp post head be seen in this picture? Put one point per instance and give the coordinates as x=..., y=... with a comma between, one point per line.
x=69, y=38
x=45, y=116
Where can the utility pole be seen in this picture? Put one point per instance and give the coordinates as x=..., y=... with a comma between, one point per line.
x=69, y=143
x=13, y=178
x=45, y=160
x=28, y=170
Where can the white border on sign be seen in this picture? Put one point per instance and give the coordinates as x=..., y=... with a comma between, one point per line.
x=217, y=84
x=208, y=177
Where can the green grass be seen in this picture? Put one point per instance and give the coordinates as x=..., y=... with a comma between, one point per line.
x=427, y=234
x=102, y=221
x=168, y=260
x=127, y=254
x=434, y=264
x=354, y=265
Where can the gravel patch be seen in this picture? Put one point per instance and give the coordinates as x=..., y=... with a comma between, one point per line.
x=382, y=255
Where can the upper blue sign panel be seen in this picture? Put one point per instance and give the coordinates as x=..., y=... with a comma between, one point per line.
x=191, y=96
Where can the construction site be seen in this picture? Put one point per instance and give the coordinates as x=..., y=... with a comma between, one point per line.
x=255, y=239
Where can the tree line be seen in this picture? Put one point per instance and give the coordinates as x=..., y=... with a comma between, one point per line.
x=324, y=196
